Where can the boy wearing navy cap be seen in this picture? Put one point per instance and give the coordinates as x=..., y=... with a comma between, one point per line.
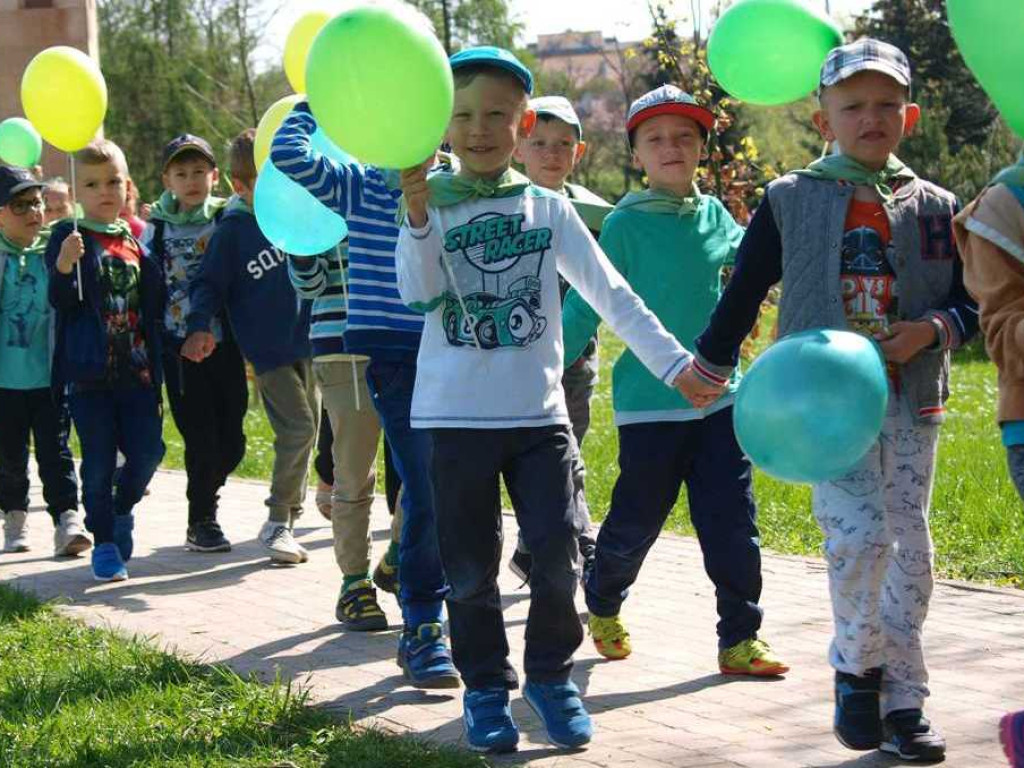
x=479, y=252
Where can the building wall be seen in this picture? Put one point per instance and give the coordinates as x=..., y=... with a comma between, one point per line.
x=26, y=28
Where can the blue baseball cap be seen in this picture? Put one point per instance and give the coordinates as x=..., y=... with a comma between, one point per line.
x=14, y=181
x=492, y=56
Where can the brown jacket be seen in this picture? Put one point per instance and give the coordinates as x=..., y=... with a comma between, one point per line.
x=990, y=235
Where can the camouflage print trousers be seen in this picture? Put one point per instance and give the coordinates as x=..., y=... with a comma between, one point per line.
x=879, y=553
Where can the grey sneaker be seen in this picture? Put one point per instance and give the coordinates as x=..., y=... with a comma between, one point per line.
x=278, y=539
x=69, y=537
x=16, y=531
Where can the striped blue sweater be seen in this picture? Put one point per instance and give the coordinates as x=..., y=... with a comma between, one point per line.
x=378, y=324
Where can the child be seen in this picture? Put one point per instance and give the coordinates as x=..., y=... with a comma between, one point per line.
x=108, y=347
x=28, y=405
x=244, y=274
x=131, y=211
x=58, y=201
x=208, y=399
x=550, y=154
x=357, y=311
x=671, y=242
x=859, y=241
x=479, y=253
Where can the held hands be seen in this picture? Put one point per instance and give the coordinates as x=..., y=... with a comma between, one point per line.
x=198, y=346
x=71, y=251
x=695, y=389
x=416, y=191
x=906, y=339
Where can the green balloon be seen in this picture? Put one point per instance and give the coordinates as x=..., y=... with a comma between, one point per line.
x=20, y=142
x=380, y=86
x=770, y=51
x=989, y=36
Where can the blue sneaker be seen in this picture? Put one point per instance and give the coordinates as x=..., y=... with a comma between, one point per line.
x=425, y=659
x=488, y=719
x=560, y=709
x=123, y=527
x=858, y=720
x=107, y=564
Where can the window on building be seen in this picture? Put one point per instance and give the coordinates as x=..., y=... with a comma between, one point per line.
x=33, y=4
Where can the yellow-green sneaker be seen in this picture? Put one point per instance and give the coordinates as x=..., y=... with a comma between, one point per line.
x=751, y=657
x=610, y=636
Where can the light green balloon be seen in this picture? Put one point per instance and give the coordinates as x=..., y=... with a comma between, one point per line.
x=380, y=86
x=990, y=36
x=20, y=142
x=770, y=51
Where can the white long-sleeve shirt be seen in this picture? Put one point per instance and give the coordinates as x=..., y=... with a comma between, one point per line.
x=504, y=255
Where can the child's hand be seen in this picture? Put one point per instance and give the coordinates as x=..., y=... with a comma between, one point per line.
x=71, y=251
x=906, y=339
x=198, y=346
x=416, y=191
x=699, y=392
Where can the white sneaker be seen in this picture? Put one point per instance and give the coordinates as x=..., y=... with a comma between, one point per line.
x=16, y=531
x=278, y=538
x=69, y=537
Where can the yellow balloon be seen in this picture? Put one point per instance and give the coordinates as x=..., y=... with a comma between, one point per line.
x=64, y=95
x=296, y=47
x=269, y=124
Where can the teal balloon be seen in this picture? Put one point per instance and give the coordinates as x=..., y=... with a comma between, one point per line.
x=20, y=142
x=325, y=146
x=990, y=36
x=291, y=218
x=770, y=51
x=812, y=405
x=380, y=86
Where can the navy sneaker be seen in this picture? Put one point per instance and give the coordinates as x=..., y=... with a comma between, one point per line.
x=488, y=719
x=560, y=709
x=107, y=564
x=123, y=527
x=858, y=719
x=908, y=734
x=425, y=659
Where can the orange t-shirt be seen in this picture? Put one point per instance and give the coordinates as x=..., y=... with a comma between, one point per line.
x=866, y=275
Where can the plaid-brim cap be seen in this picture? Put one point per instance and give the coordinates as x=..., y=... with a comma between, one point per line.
x=187, y=142
x=863, y=55
x=668, y=100
x=14, y=181
x=559, y=108
x=492, y=56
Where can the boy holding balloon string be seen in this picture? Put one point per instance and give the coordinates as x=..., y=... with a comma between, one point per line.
x=480, y=252
x=858, y=240
x=671, y=243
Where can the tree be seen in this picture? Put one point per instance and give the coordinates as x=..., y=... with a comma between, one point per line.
x=461, y=23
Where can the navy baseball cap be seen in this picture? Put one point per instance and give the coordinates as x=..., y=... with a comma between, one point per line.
x=186, y=142
x=14, y=181
x=492, y=56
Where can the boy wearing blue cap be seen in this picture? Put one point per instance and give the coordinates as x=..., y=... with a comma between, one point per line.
x=860, y=242
x=479, y=253
x=671, y=242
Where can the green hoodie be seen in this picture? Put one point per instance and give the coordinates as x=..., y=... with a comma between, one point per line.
x=673, y=260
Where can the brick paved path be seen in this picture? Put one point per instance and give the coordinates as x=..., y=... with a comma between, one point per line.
x=665, y=706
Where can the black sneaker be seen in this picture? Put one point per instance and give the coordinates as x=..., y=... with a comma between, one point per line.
x=385, y=576
x=206, y=536
x=358, y=610
x=858, y=720
x=588, y=554
x=908, y=734
x=520, y=565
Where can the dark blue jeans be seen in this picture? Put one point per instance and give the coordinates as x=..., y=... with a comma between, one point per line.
x=422, y=581
x=655, y=459
x=536, y=466
x=43, y=415
x=108, y=420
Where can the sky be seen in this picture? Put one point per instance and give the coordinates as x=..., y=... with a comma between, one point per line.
x=624, y=19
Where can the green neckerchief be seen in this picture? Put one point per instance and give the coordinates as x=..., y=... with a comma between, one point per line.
x=662, y=201
x=1012, y=176
x=235, y=203
x=166, y=209
x=591, y=208
x=843, y=168
x=118, y=227
x=448, y=188
x=37, y=248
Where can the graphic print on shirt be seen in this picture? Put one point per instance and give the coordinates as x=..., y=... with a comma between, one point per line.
x=120, y=278
x=183, y=256
x=25, y=305
x=868, y=281
x=496, y=264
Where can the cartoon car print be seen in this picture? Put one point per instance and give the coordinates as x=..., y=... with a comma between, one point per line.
x=509, y=321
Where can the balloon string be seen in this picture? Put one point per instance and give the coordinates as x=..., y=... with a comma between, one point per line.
x=74, y=222
x=344, y=294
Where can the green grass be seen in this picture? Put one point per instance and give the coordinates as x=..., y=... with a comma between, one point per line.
x=77, y=697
